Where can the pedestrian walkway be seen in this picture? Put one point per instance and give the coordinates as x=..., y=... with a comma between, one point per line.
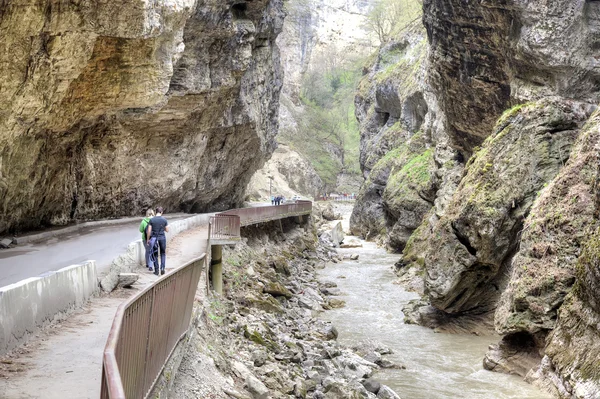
x=66, y=362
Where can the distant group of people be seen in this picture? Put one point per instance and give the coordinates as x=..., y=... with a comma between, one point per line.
x=153, y=229
x=277, y=200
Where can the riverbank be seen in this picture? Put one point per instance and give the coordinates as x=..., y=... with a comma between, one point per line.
x=264, y=337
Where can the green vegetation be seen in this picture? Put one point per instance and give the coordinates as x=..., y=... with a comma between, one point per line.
x=328, y=133
x=388, y=18
x=411, y=178
x=509, y=113
x=417, y=169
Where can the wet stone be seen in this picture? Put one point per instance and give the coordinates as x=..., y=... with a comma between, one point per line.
x=386, y=392
x=372, y=385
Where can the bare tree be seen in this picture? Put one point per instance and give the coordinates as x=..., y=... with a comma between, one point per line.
x=387, y=15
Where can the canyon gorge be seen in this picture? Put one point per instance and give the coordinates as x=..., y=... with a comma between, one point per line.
x=468, y=130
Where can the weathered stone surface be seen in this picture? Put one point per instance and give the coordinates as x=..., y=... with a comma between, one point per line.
x=329, y=213
x=519, y=214
x=107, y=111
x=337, y=234
x=127, y=279
x=351, y=243
x=256, y=388
x=472, y=242
x=372, y=385
x=277, y=289
x=287, y=173
x=343, y=391
x=484, y=55
x=396, y=163
x=336, y=303
x=331, y=333
x=386, y=392
x=266, y=303
x=5, y=243
x=560, y=222
x=570, y=368
x=515, y=354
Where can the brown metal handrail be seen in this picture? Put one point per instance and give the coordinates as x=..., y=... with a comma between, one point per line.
x=224, y=227
x=146, y=330
x=263, y=214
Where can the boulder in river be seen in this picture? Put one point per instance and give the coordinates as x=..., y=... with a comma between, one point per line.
x=337, y=234
x=352, y=243
x=386, y=392
x=371, y=385
x=329, y=213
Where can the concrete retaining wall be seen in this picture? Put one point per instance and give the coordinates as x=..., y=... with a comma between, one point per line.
x=30, y=304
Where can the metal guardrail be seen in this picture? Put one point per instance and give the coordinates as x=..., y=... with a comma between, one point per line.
x=224, y=227
x=147, y=327
x=263, y=214
x=146, y=330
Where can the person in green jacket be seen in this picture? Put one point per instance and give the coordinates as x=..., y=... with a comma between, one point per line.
x=143, y=228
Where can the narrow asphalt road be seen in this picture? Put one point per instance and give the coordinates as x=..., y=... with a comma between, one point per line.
x=100, y=243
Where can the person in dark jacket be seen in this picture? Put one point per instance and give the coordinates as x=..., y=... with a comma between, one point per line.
x=143, y=227
x=157, y=227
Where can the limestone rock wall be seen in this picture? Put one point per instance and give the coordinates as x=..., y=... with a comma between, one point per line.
x=404, y=152
x=110, y=108
x=290, y=175
x=317, y=32
x=479, y=232
x=509, y=90
x=488, y=55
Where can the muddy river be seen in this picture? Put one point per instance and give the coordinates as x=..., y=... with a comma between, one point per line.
x=438, y=366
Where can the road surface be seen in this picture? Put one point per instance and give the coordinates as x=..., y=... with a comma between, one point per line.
x=99, y=243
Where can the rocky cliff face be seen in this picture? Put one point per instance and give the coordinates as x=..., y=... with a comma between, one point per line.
x=316, y=26
x=509, y=91
x=107, y=110
x=318, y=35
x=489, y=55
x=289, y=174
x=400, y=126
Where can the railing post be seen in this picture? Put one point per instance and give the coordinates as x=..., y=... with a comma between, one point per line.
x=216, y=268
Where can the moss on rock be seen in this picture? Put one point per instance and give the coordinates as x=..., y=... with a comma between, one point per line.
x=560, y=221
x=479, y=231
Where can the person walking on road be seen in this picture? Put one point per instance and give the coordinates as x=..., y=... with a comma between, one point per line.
x=143, y=228
x=157, y=227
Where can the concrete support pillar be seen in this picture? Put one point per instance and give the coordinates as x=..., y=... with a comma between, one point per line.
x=216, y=268
x=299, y=219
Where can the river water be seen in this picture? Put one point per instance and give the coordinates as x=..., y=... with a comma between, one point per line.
x=438, y=366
